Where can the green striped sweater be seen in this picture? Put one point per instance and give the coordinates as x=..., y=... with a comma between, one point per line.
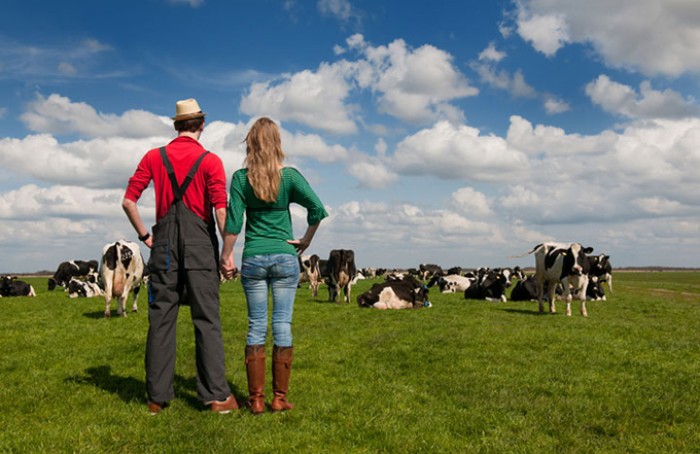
x=269, y=225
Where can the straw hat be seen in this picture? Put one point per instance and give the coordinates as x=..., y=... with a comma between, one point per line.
x=187, y=109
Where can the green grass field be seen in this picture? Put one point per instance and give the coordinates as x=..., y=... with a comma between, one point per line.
x=462, y=376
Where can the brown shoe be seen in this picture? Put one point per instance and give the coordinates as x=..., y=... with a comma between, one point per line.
x=154, y=407
x=224, y=406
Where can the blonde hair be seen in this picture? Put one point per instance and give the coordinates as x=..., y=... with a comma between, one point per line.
x=264, y=158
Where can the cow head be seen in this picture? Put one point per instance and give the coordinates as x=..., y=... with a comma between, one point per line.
x=52, y=283
x=576, y=261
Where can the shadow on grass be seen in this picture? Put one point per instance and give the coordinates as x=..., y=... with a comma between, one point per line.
x=95, y=315
x=524, y=311
x=130, y=389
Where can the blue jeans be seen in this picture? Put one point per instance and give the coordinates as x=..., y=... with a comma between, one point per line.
x=258, y=274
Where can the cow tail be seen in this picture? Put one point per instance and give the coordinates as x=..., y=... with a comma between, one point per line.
x=523, y=255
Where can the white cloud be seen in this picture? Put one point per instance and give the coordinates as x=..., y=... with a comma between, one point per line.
x=471, y=202
x=67, y=69
x=340, y=9
x=621, y=99
x=491, y=53
x=450, y=151
x=547, y=33
x=59, y=115
x=655, y=37
x=555, y=106
x=415, y=85
x=314, y=99
x=372, y=173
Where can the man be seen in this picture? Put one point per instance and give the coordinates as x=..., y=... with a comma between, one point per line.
x=189, y=182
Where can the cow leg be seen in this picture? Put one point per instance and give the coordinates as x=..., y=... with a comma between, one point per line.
x=121, y=303
x=584, y=285
x=108, y=302
x=134, y=306
x=608, y=277
x=551, y=294
x=540, y=294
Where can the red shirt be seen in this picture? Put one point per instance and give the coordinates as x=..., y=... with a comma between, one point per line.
x=207, y=189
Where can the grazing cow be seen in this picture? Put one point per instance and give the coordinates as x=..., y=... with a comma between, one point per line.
x=122, y=270
x=451, y=283
x=408, y=293
x=311, y=272
x=492, y=287
x=11, y=286
x=601, y=268
x=68, y=270
x=341, y=271
x=561, y=263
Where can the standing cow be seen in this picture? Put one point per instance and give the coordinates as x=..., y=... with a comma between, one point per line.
x=341, y=272
x=122, y=270
x=562, y=263
x=311, y=272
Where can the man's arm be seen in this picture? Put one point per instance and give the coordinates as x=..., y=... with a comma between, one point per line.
x=132, y=212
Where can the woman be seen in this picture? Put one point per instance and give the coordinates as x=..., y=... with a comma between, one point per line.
x=263, y=191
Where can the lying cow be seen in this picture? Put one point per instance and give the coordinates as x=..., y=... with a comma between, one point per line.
x=85, y=289
x=453, y=283
x=122, y=270
x=71, y=269
x=11, y=286
x=341, y=271
x=601, y=268
x=491, y=287
x=562, y=263
x=407, y=293
x=524, y=290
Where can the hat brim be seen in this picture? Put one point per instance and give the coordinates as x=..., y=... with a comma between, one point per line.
x=189, y=116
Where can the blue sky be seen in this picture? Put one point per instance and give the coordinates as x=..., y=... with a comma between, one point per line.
x=455, y=132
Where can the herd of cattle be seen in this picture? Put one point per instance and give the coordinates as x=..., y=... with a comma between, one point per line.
x=120, y=272
x=561, y=271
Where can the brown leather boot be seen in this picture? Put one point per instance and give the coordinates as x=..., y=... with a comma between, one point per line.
x=281, y=368
x=255, y=368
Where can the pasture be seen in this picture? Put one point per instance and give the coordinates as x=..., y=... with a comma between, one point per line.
x=462, y=376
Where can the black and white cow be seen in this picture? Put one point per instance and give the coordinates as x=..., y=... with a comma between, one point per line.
x=491, y=287
x=524, y=290
x=11, y=286
x=426, y=270
x=311, y=272
x=122, y=270
x=341, y=271
x=407, y=293
x=71, y=269
x=87, y=288
x=452, y=283
x=562, y=263
x=601, y=268
x=594, y=290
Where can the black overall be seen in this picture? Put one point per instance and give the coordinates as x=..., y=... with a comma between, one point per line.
x=183, y=269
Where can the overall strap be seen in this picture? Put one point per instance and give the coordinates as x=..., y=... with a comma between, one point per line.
x=179, y=191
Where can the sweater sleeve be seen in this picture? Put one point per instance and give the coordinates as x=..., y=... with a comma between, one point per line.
x=236, y=205
x=306, y=197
